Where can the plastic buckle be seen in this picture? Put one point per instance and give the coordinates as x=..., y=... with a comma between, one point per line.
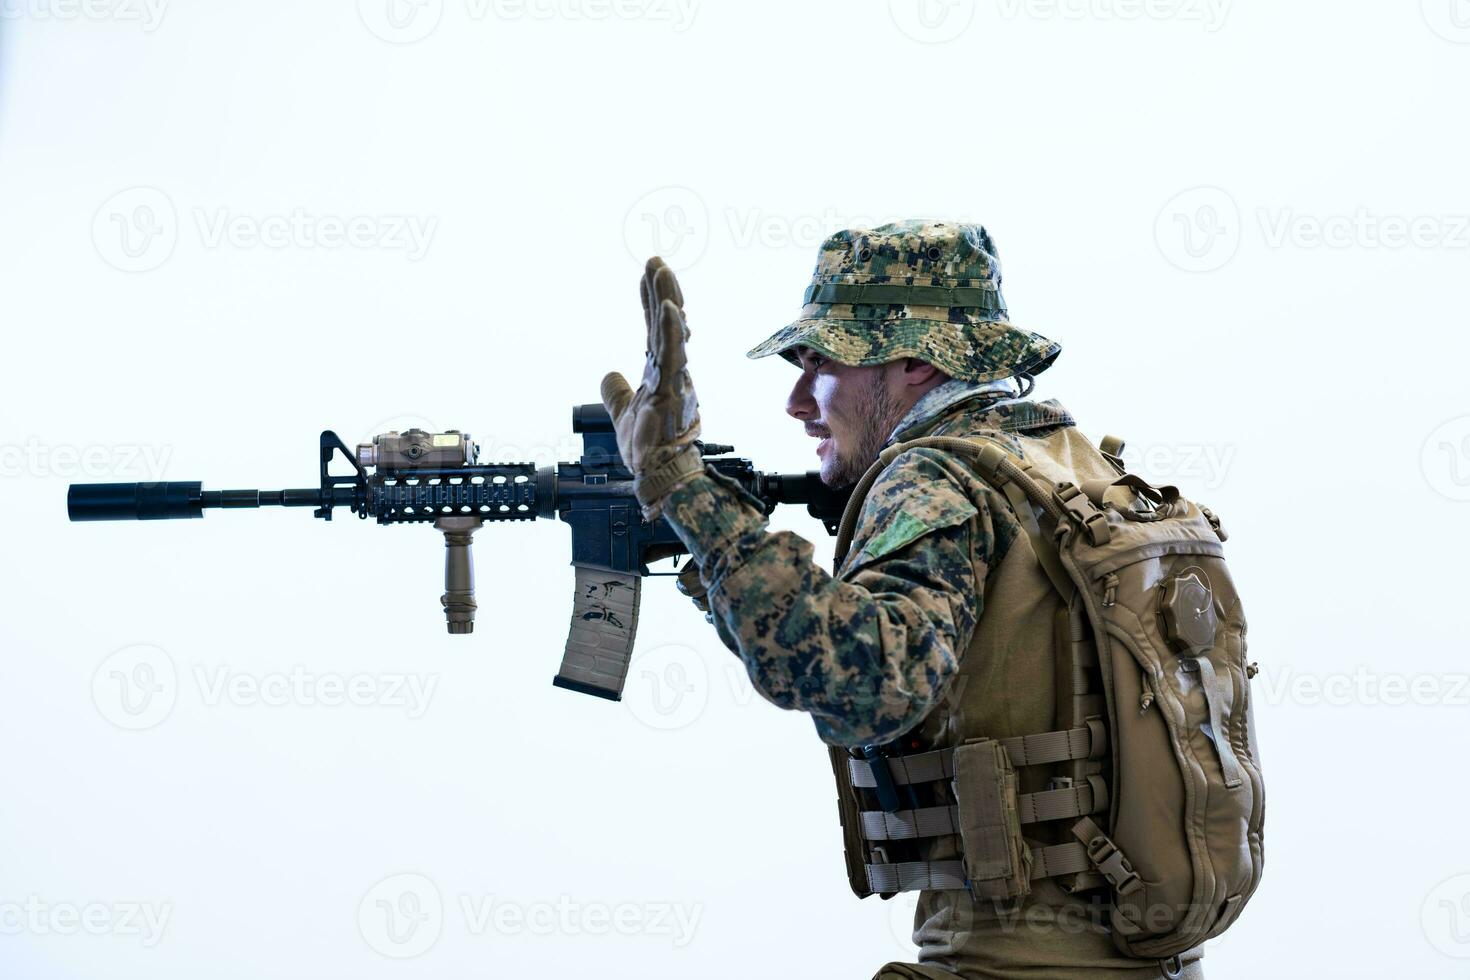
x=1113, y=866
x=883, y=784
x=1084, y=513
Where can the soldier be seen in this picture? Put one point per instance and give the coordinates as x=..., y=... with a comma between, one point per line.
x=939, y=624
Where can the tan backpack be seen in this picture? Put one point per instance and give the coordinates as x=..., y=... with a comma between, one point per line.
x=1153, y=610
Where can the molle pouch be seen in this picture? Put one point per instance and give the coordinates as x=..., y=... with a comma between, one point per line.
x=996, y=860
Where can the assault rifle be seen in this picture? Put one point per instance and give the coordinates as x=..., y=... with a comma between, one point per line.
x=418, y=477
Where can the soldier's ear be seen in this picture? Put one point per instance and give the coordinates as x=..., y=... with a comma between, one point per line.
x=917, y=372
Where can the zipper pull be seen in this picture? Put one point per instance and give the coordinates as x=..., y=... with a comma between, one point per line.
x=1146, y=699
x=1110, y=589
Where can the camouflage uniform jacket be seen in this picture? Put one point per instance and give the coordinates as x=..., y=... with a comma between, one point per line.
x=867, y=653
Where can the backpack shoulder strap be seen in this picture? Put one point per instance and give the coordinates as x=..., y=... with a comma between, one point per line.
x=1003, y=470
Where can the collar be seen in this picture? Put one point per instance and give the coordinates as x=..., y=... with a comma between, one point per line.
x=969, y=415
x=936, y=400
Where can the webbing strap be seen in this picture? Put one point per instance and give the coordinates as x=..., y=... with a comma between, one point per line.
x=1025, y=750
x=913, y=876
x=909, y=876
x=891, y=294
x=937, y=821
x=934, y=821
x=1045, y=550
x=1217, y=703
x=925, y=767
x=1059, y=859
x=1056, y=804
x=1048, y=747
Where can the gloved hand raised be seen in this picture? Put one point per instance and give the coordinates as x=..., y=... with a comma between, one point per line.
x=656, y=425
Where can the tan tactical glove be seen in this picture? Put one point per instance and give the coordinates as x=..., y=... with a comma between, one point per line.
x=690, y=584
x=656, y=426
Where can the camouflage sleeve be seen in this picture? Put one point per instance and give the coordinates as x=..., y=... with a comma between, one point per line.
x=868, y=653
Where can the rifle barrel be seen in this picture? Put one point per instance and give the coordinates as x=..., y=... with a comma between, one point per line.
x=178, y=500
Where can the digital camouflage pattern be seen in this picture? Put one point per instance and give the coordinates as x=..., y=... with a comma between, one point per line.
x=924, y=289
x=867, y=653
x=888, y=646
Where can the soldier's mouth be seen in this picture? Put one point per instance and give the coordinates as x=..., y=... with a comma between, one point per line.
x=822, y=434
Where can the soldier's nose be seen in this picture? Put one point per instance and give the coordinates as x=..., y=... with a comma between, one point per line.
x=800, y=403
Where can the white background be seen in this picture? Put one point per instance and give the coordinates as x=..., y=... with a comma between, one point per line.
x=1246, y=222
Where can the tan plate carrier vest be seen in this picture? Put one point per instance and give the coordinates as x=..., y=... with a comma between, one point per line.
x=1150, y=784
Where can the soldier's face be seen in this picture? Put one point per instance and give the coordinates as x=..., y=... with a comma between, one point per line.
x=851, y=411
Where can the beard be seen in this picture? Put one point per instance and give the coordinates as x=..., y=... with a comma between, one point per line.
x=873, y=420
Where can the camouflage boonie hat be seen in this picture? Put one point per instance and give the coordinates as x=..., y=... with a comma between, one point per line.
x=923, y=289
